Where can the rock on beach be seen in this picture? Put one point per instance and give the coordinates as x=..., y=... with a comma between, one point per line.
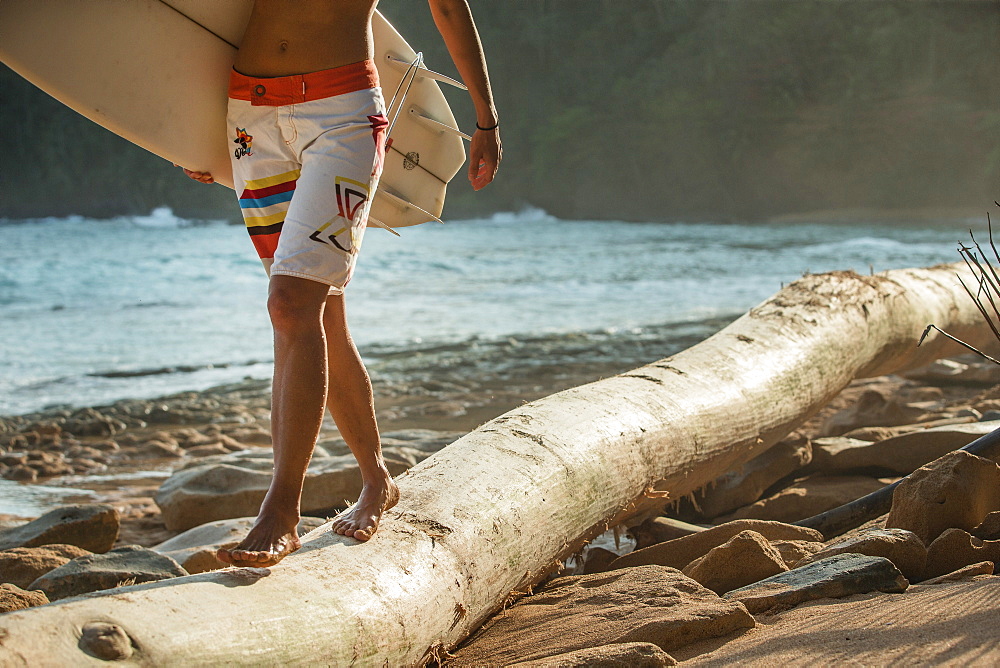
x=807, y=497
x=93, y=527
x=834, y=577
x=650, y=604
x=902, y=454
x=236, y=488
x=14, y=598
x=195, y=549
x=746, y=484
x=957, y=490
x=679, y=552
x=20, y=566
x=125, y=565
x=744, y=559
x=903, y=548
x=955, y=549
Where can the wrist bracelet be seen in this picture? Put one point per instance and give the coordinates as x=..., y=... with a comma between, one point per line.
x=492, y=127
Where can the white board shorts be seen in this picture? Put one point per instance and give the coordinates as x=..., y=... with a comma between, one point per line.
x=307, y=152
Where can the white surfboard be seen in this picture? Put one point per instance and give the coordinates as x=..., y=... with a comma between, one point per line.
x=156, y=72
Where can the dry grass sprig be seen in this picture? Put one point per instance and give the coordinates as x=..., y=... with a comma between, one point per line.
x=987, y=294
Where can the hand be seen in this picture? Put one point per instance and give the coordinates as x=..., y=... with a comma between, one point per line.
x=485, y=153
x=201, y=177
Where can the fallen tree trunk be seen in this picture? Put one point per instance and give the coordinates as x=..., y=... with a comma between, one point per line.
x=490, y=514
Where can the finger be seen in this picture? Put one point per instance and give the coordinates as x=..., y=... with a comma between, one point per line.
x=487, y=172
x=475, y=165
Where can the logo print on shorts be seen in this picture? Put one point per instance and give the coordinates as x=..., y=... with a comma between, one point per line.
x=411, y=160
x=245, y=141
x=351, y=197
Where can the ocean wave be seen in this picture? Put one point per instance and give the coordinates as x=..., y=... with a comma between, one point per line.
x=175, y=369
x=528, y=214
x=73, y=219
x=881, y=244
x=570, y=342
x=163, y=217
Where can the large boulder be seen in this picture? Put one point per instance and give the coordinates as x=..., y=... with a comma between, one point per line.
x=126, y=565
x=955, y=549
x=834, y=577
x=954, y=491
x=899, y=546
x=876, y=407
x=743, y=559
x=989, y=528
x=14, y=598
x=661, y=529
x=647, y=604
x=94, y=527
x=679, y=552
x=963, y=573
x=195, y=549
x=216, y=491
x=957, y=372
x=807, y=497
x=899, y=454
x=20, y=566
x=746, y=484
x=794, y=551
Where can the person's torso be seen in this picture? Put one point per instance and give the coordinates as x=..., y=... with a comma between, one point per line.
x=297, y=36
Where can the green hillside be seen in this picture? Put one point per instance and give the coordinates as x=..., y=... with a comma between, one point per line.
x=646, y=110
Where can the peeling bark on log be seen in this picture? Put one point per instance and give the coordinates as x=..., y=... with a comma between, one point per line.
x=491, y=513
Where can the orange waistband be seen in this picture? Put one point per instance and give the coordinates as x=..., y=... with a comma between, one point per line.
x=278, y=91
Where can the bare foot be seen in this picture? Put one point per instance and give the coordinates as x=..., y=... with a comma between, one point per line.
x=267, y=543
x=361, y=520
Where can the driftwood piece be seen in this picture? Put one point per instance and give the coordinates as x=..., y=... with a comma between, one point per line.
x=491, y=513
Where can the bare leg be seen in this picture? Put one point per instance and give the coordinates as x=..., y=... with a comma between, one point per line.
x=352, y=405
x=297, y=403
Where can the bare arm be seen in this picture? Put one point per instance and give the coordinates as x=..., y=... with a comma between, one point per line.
x=454, y=21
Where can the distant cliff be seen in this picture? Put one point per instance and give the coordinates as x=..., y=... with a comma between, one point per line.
x=646, y=110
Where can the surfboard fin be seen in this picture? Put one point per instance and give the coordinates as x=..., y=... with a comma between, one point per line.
x=402, y=64
x=429, y=122
x=378, y=223
x=405, y=204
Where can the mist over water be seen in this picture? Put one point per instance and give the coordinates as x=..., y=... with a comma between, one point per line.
x=97, y=310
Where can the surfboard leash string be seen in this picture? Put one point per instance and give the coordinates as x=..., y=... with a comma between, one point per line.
x=408, y=78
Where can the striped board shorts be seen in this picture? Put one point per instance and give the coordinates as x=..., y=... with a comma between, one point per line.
x=307, y=153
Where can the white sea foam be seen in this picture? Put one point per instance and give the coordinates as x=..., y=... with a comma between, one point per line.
x=528, y=214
